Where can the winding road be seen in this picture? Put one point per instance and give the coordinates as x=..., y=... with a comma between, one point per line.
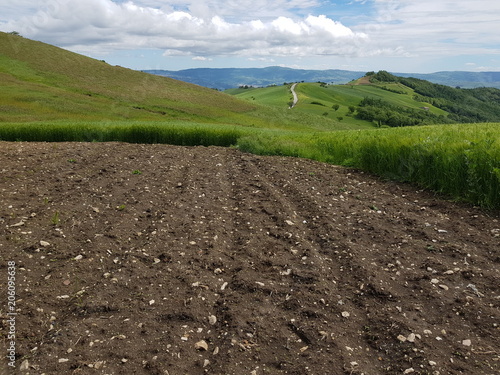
x=295, y=97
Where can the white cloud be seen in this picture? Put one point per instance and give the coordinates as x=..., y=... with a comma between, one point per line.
x=99, y=25
x=388, y=31
x=436, y=28
x=201, y=58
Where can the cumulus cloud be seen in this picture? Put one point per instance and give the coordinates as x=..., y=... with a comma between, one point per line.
x=104, y=24
x=260, y=29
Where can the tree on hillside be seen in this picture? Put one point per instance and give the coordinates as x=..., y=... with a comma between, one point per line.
x=336, y=107
x=383, y=76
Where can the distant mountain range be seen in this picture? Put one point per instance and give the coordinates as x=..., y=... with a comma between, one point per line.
x=226, y=78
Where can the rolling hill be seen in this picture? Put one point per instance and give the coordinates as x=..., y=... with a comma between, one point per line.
x=40, y=82
x=384, y=99
x=43, y=82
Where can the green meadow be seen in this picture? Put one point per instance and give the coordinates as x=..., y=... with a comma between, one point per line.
x=52, y=95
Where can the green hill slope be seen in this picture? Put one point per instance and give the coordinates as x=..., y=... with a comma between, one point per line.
x=43, y=82
x=40, y=82
x=383, y=99
x=340, y=103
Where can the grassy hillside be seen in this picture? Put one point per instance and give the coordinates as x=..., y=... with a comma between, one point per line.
x=43, y=82
x=40, y=82
x=382, y=99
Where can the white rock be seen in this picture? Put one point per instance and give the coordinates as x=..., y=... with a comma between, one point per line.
x=467, y=342
x=411, y=337
x=401, y=338
x=63, y=360
x=432, y=363
x=212, y=319
x=224, y=286
x=435, y=281
x=44, y=243
x=79, y=257
x=444, y=287
x=409, y=370
x=25, y=365
x=201, y=345
x=206, y=362
x=346, y=314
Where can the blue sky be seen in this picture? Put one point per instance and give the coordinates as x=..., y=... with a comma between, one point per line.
x=396, y=35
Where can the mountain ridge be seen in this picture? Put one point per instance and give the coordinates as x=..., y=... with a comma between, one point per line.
x=226, y=78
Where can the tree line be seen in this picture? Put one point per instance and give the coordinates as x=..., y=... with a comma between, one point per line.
x=463, y=105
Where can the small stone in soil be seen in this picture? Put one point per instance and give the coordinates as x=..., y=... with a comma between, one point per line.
x=201, y=345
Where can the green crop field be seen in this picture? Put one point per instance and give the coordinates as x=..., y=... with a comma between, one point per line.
x=460, y=161
x=49, y=94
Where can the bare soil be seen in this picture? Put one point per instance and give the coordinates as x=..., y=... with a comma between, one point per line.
x=156, y=259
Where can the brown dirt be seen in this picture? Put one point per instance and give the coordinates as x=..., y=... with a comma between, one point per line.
x=308, y=268
x=364, y=81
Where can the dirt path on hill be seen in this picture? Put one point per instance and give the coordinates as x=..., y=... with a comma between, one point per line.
x=295, y=97
x=155, y=259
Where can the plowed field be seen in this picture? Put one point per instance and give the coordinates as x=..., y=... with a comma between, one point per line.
x=156, y=259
